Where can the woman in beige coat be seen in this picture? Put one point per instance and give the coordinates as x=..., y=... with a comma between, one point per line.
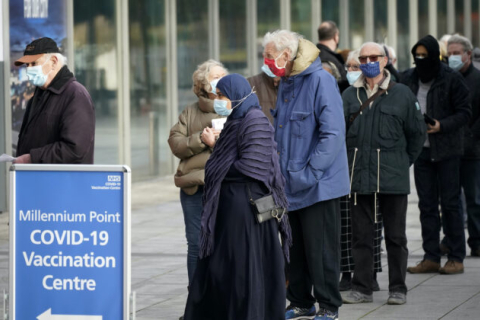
x=192, y=140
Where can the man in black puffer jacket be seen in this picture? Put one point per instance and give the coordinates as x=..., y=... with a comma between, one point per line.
x=443, y=96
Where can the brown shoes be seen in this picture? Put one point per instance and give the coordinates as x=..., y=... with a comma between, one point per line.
x=452, y=267
x=426, y=266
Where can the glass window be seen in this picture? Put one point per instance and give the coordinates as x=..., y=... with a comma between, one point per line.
x=268, y=20
x=459, y=17
x=380, y=14
x=441, y=17
x=357, y=23
x=95, y=58
x=233, y=40
x=301, y=17
x=475, y=23
x=148, y=110
x=423, y=19
x=403, y=45
x=330, y=10
x=192, y=45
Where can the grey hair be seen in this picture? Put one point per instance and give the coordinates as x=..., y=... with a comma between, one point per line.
x=379, y=47
x=62, y=60
x=283, y=39
x=467, y=45
x=353, y=55
x=201, y=85
x=392, y=53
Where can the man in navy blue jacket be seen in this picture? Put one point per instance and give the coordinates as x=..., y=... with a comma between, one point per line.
x=310, y=132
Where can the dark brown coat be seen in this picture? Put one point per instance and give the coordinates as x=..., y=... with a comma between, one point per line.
x=266, y=93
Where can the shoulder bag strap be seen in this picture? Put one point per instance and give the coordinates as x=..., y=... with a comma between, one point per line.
x=369, y=100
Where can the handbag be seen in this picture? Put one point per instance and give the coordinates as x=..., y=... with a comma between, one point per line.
x=266, y=208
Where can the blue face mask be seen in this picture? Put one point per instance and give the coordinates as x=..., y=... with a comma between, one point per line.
x=371, y=69
x=220, y=107
x=455, y=62
x=267, y=71
x=213, y=84
x=352, y=76
x=36, y=76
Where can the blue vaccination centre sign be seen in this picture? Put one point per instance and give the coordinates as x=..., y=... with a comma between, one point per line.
x=70, y=242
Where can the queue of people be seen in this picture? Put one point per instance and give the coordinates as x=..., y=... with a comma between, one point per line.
x=333, y=147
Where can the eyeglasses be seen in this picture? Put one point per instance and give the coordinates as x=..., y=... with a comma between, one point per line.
x=372, y=58
x=352, y=67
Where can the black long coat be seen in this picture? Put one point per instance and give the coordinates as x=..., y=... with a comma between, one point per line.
x=60, y=127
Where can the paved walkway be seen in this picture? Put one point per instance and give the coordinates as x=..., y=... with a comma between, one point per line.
x=159, y=273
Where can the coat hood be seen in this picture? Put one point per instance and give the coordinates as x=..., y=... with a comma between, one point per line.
x=307, y=53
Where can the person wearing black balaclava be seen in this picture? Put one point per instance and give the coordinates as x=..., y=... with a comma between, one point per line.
x=442, y=95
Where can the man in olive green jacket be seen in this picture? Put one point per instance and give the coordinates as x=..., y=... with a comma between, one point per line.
x=382, y=142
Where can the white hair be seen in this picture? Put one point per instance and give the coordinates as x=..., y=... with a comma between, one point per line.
x=201, y=85
x=353, y=55
x=392, y=53
x=62, y=60
x=467, y=45
x=379, y=47
x=283, y=39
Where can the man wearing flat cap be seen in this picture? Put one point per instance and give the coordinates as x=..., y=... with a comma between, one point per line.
x=59, y=122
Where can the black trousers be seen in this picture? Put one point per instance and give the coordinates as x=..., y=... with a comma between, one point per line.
x=436, y=180
x=315, y=256
x=394, y=211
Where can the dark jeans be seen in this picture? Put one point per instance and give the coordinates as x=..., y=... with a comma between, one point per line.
x=470, y=181
x=436, y=180
x=192, y=212
x=394, y=213
x=315, y=256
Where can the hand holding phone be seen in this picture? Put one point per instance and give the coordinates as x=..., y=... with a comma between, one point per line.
x=429, y=120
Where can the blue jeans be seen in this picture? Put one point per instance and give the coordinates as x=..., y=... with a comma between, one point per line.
x=192, y=213
x=470, y=180
x=436, y=180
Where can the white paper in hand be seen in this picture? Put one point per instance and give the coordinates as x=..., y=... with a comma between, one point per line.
x=217, y=124
x=6, y=158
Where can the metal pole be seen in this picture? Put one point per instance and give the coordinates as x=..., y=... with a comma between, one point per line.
x=123, y=71
x=316, y=7
x=344, y=24
x=450, y=16
x=214, y=29
x=369, y=22
x=432, y=18
x=285, y=15
x=467, y=12
x=154, y=135
x=413, y=25
x=252, y=58
x=392, y=24
x=172, y=74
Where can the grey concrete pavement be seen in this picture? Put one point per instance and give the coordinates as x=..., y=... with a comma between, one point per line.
x=159, y=272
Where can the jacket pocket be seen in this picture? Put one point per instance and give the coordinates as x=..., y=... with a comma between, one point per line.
x=299, y=123
x=391, y=124
x=302, y=175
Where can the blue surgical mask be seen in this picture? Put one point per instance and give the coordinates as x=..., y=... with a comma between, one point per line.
x=352, y=76
x=267, y=71
x=371, y=69
x=36, y=76
x=220, y=107
x=213, y=84
x=455, y=62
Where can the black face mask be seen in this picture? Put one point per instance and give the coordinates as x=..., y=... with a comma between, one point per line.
x=427, y=69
